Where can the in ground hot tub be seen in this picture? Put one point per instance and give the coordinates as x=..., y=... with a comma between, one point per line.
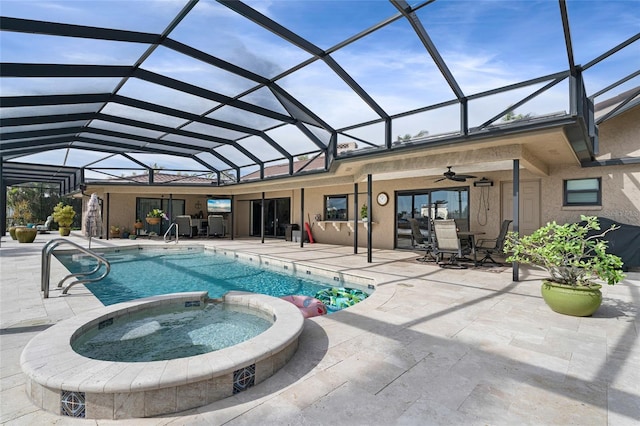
x=62, y=381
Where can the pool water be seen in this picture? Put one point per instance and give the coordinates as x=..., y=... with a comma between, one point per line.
x=143, y=273
x=158, y=335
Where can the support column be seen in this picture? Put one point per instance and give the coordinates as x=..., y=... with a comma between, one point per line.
x=262, y=219
x=108, y=199
x=302, y=227
x=3, y=203
x=233, y=209
x=516, y=211
x=369, y=218
x=356, y=211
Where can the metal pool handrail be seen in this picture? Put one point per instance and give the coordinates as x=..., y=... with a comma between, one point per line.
x=45, y=271
x=169, y=230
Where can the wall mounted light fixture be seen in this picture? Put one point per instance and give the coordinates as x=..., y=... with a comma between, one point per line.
x=483, y=182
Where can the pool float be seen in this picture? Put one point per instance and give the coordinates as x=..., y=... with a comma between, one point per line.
x=336, y=298
x=309, y=306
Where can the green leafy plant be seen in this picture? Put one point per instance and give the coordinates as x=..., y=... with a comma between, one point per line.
x=157, y=213
x=363, y=211
x=573, y=254
x=22, y=212
x=64, y=214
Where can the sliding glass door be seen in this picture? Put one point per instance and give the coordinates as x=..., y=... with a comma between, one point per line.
x=277, y=214
x=426, y=205
x=145, y=205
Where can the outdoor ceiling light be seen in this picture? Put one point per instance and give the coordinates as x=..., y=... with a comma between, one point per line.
x=483, y=182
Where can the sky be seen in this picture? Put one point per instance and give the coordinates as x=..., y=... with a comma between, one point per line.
x=485, y=44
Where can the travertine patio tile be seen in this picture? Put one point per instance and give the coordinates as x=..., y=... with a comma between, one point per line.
x=441, y=347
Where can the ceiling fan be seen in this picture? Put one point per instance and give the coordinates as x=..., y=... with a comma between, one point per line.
x=453, y=176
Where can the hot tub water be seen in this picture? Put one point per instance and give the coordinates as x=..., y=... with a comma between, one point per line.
x=162, y=334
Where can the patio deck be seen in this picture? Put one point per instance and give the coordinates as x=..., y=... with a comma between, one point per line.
x=430, y=347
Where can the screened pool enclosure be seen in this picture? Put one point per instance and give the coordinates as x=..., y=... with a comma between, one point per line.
x=226, y=89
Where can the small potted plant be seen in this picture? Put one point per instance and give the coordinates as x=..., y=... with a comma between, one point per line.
x=574, y=255
x=21, y=216
x=64, y=214
x=114, y=231
x=155, y=216
x=364, y=213
x=125, y=232
x=138, y=224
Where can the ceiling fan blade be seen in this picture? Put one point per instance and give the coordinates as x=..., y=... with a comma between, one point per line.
x=466, y=176
x=438, y=180
x=458, y=178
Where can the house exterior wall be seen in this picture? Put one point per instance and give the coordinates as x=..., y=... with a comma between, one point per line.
x=619, y=138
x=119, y=205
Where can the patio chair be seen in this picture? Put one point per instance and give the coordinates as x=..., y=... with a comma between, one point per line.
x=216, y=225
x=420, y=242
x=185, y=227
x=490, y=246
x=44, y=229
x=449, y=243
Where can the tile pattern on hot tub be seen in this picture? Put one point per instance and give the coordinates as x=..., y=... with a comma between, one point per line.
x=72, y=404
x=244, y=378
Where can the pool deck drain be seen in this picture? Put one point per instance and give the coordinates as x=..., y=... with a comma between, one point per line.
x=457, y=347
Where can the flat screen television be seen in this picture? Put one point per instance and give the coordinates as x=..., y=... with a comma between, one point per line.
x=219, y=205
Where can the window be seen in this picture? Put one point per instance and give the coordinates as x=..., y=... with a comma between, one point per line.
x=583, y=192
x=335, y=207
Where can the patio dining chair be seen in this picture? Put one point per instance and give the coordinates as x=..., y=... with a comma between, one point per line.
x=490, y=246
x=423, y=243
x=449, y=243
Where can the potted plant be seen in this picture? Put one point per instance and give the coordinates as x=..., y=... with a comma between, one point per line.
x=155, y=216
x=114, y=231
x=573, y=255
x=12, y=231
x=125, y=232
x=364, y=213
x=138, y=224
x=21, y=216
x=64, y=214
x=25, y=234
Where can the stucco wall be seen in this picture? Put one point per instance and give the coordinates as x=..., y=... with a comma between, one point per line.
x=120, y=208
x=621, y=201
x=619, y=138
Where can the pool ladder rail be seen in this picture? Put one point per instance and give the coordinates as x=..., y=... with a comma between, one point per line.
x=46, y=266
x=167, y=235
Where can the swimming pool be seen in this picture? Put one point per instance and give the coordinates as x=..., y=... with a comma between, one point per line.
x=142, y=272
